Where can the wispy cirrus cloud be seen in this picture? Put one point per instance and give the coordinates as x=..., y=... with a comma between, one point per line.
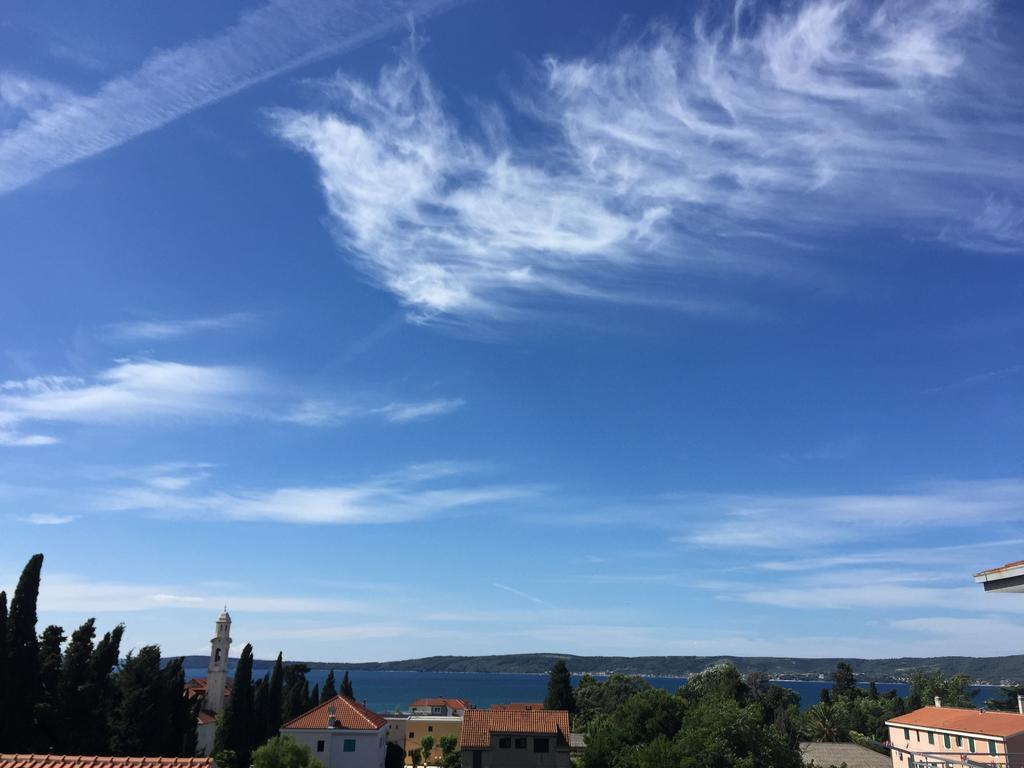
x=669, y=152
x=417, y=492
x=148, y=391
x=164, y=330
x=59, y=128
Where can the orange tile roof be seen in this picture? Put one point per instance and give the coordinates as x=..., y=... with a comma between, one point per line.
x=453, y=703
x=1008, y=566
x=348, y=714
x=90, y=761
x=980, y=721
x=205, y=717
x=479, y=724
x=519, y=705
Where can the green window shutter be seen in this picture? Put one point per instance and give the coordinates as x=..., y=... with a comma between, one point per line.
x=931, y=737
x=970, y=744
x=991, y=747
x=945, y=740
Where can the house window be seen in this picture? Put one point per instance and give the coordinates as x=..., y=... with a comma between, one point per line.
x=931, y=737
x=505, y=742
x=906, y=734
x=992, y=748
x=412, y=735
x=540, y=745
x=945, y=740
x=918, y=734
x=430, y=729
x=521, y=742
x=349, y=745
x=970, y=744
x=319, y=745
x=478, y=758
x=959, y=741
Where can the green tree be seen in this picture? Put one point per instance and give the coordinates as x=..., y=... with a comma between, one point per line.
x=844, y=684
x=821, y=723
x=426, y=748
x=236, y=726
x=275, y=697
x=723, y=732
x=450, y=755
x=721, y=681
x=137, y=727
x=1005, y=702
x=415, y=756
x=314, y=697
x=100, y=695
x=593, y=697
x=24, y=684
x=296, y=691
x=4, y=701
x=926, y=685
x=283, y=752
x=394, y=757
x=560, y=695
x=47, y=711
x=346, y=686
x=74, y=678
x=260, y=716
x=329, y=691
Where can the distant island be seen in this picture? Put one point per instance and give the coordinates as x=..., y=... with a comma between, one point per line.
x=992, y=670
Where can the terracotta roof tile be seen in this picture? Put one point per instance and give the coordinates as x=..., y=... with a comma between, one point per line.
x=479, y=724
x=453, y=703
x=519, y=706
x=1008, y=566
x=348, y=714
x=982, y=722
x=92, y=761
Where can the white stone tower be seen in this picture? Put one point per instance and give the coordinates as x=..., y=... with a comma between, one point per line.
x=217, y=672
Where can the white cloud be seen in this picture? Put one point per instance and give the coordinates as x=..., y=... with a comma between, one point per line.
x=519, y=593
x=672, y=151
x=401, y=413
x=266, y=41
x=420, y=492
x=44, y=518
x=163, y=330
x=327, y=412
x=797, y=522
x=129, y=391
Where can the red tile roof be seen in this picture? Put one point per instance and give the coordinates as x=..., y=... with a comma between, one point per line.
x=197, y=687
x=982, y=722
x=205, y=717
x=519, y=705
x=348, y=714
x=479, y=724
x=1008, y=566
x=80, y=761
x=453, y=703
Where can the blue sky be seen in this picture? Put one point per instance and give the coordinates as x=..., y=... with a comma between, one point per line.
x=478, y=327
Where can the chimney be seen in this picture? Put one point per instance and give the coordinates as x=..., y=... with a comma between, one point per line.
x=938, y=701
x=1020, y=703
x=331, y=712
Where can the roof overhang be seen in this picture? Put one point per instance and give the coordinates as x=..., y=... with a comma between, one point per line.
x=1005, y=578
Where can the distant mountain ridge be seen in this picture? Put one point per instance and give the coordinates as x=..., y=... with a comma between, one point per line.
x=991, y=669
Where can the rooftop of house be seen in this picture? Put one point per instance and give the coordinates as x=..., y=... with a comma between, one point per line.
x=1004, y=578
x=981, y=722
x=480, y=724
x=196, y=687
x=441, y=702
x=348, y=715
x=519, y=706
x=93, y=761
x=827, y=754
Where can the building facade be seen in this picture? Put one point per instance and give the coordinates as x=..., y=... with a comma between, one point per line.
x=515, y=739
x=938, y=737
x=440, y=706
x=214, y=689
x=419, y=726
x=341, y=733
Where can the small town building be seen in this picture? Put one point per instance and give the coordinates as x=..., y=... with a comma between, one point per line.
x=397, y=728
x=521, y=706
x=440, y=706
x=496, y=738
x=1005, y=578
x=830, y=754
x=941, y=736
x=341, y=733
x=419, y=726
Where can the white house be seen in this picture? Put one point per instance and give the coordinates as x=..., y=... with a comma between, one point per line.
x=341, y=733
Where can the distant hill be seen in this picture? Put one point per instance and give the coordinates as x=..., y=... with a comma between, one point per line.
x=992, y=669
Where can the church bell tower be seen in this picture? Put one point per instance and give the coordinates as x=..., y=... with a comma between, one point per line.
x=217, y=672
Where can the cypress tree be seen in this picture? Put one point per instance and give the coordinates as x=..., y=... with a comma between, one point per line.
x=260, y=715
x=235, y=727
x=24, y=685
x=48, y=709
x=3, y=672
x=314, y=697
x=346, y=687
x=275, y=697
x=178, y=713
x=296, y=691
x=329, y=691
x=560, y=695
x=74, y=681
x=136, y=727
x=100, y=695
